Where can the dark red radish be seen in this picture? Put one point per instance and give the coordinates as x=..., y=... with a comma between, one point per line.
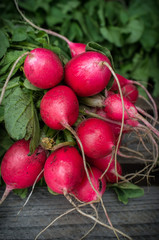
x=59, y=107
x=84, y=191
x=18, y=169
x=107, y=164
x=86, y=74
x=122, y=80
x=96, y=137
x=130, y=92
x=43, y=68
x=64, y=170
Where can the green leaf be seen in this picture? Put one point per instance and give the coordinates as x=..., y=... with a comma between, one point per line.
x=127, y=190
x=113, y=35
x=135, y=29
x=34, y=130
x=22, y=193
x=4, y=44
x=92, y=46
x=19, y=33
x=30, y=86
x=5, y=141
x=8, y=61
x=17, y=113
x=50, y=191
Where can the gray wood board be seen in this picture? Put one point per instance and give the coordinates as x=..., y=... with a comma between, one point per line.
x=139, y=218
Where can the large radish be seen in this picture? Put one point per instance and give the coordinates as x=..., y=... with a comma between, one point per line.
x=86, y=74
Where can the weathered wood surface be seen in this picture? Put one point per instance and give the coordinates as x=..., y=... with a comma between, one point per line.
x=139, y=218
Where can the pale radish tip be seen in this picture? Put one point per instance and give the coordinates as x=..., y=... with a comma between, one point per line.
x=6, y=193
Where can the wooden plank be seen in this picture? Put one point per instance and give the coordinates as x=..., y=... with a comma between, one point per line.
x=139, y=218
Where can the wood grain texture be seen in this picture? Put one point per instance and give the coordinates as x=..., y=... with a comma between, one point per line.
x=139, y=218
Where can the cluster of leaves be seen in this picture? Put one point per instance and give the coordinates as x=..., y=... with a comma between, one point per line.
x=128, y=28
x=113, y=24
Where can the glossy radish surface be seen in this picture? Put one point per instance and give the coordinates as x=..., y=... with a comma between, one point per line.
x=19, y=170
x=96, y=137
x=43, y=68
x=86, y=74
x=84, y=192
x=76, y=48
x=130, y=92
x=64, y=170
x=108, y=163
x=59, y=106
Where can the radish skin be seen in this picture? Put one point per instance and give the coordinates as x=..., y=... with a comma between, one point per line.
x=86, y=74
x=84, y=191
x=64, y=170
x=43, y=68
x=96, y=137
x=19, y=170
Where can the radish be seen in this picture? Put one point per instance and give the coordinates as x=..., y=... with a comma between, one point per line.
x=107, y=166
x=43, y=68
x=84, y=191
x=130, y=92
x=123, y=81
x=86, y=74
x=18, y=169
x=64, y=170
x=96, y=137
x=59, y=107
x=75, y=48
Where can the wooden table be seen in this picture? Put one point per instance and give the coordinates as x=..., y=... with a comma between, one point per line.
x=139, y=218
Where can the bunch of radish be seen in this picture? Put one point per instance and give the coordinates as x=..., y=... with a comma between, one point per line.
x=98, y=138
x=78, y=88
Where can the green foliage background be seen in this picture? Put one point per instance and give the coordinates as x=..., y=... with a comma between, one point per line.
x=128, y=28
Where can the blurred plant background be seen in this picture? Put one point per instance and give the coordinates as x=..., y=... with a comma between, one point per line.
x=129, y=29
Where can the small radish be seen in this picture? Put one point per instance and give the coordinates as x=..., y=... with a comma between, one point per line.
x=96, y=137
x=113, y=109
x=107, y=164
x=86, y=74
x=18, y=169
x=59, y=107
x=124, y=81
x=130, y=92
x=43, y=68
x=75, y=48
x=84, y=191
x=63, y=170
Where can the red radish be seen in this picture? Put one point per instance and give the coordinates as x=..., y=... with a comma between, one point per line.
x=43, y=68
x=86, y=74
x=84, y=191
x=123, y=81
x=96, y=137
x=130, y=92
x=64, y=170
x=107, y=163
x=59, y=107
x=20, y=170
x=113, y=109
x=115, y=128
x=76, y=48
